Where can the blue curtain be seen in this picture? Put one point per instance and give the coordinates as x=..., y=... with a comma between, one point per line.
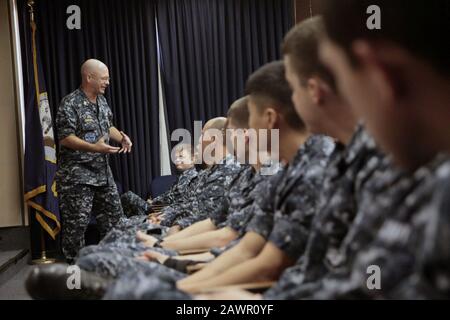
x=209, y=48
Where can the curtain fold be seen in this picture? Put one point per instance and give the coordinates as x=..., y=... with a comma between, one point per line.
x=209, y=48
x=121, y=34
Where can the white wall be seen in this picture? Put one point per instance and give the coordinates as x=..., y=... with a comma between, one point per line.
x=10, y=187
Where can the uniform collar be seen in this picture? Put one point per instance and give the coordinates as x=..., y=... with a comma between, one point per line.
x=86, y=101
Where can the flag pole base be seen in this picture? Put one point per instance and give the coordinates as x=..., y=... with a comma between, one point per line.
x=43, y=260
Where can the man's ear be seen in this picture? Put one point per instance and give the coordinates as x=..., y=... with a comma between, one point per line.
x=378, y=62
x=272, y=118
x=315, y=90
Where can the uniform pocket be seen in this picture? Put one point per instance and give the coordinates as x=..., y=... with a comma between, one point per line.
x=90, y=131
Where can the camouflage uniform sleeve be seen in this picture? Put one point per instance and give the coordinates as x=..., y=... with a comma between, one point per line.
x=179, y=189
x=66, y=120
x=431, y=279
x=292, y=220
x=239, y=220
x=213, y=200
x=177, y=212
x=263, y=207
x=291, y=227
x=183, y=206
x=232, y=201
x=166, y=197
x=132, y=204
x=379, y=267
x=180, y=213
x=170, y=214
x=409, y=257
x=109, y=113
x=181, y=199
x=438, y=260
x=219, y=213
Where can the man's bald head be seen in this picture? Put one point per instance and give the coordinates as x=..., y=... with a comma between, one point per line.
x=209, y=131
x=92, y=65
x=213, y=136
x=94, y=76
x=218, y=123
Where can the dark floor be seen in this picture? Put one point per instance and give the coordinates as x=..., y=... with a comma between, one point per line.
x=14, y=288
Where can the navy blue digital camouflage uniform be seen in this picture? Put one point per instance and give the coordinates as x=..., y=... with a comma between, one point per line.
x=122, y=242
x=187, y=199
x=134, y=205
x=289, y=195
x=240, y=218
x=411, y=248
x=85, y=183
x=177, y=190
x=120, y=247
x=125, y=232
x=123, y=239
x=285, y=219
x=209, y=195
x=236, y=197
x=147, y=283
x=353, y=174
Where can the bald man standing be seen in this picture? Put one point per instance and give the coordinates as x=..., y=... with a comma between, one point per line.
x=85, y=182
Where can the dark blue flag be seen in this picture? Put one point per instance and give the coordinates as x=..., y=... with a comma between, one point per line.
x=40, y=150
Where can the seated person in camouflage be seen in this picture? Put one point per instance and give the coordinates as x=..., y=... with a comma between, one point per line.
x=183, y=154
x=280, y=223
x=345, y=185
x=351, y=175
x=211, y=185
x=407, y=256
x=237, y=222
x=208, y=233
x=397, y=78
x=126, y=232
x=183, y=157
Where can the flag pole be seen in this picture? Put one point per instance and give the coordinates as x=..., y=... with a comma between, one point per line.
x=30, y=4
x=43, y=259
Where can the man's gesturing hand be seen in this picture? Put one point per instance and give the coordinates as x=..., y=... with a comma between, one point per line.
x=101, y=147
x=126, y=143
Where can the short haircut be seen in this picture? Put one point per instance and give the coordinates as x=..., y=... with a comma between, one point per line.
x=238, y=113
x=269, y=85
x=418, y=26
x=301, y=43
